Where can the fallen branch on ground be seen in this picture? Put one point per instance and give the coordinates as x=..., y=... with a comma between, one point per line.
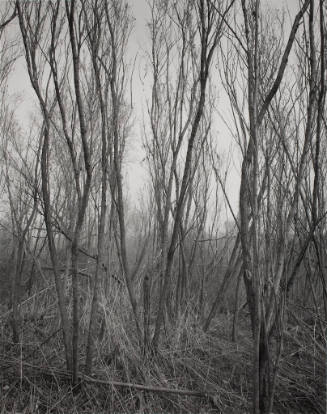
x=85, y=378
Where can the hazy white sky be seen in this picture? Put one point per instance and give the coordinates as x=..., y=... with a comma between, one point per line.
x=140, y=41
x=19, y=85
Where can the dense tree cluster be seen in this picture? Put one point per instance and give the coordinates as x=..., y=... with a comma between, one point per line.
x=72, y=245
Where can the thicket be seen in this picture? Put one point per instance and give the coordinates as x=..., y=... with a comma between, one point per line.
x=164, y=305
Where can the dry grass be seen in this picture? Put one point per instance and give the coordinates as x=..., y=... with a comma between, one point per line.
x=33, y=379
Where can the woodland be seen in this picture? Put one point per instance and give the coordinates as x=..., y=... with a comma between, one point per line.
x=180, y=300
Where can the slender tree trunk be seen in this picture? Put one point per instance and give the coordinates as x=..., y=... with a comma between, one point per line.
x=53, y=253
x=83, y=201
x=30, y=47
x=15, y=290
x=118, y=173
x=103, y=207
x=146, y=315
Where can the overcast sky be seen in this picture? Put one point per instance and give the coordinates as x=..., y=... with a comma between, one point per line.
x=19, y=85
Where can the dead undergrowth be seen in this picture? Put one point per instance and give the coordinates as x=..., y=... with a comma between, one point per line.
x=215, y=370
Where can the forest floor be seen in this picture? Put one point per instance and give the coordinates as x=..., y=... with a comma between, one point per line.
x=210, y=365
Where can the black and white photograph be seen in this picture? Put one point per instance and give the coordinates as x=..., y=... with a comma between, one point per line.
x=163, y=207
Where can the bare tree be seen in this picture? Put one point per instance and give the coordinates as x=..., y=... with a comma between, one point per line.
x=258, y=105
x=199, y=31
x=31, y=22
